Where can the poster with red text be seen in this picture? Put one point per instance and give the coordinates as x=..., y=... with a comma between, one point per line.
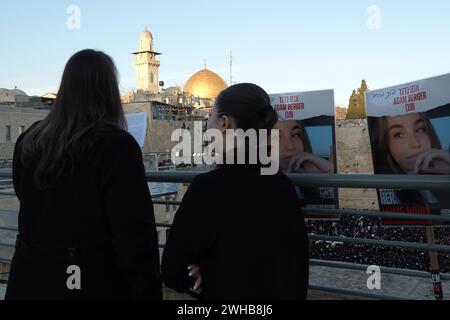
x=409, y=128
x=307, y=135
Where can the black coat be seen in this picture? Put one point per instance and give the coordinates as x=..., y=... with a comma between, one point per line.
x=100, y=219
x=245, y=231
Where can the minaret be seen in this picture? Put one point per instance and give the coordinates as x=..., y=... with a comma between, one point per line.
x=146, y=64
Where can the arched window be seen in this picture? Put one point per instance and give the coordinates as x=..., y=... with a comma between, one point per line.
x=152, y=77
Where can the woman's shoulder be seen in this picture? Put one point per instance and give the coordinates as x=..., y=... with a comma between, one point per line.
x=116, y=135
x=209, y=181
x=27, y=131
x=116, y=140
x=18, y=145
x=223, y=174
x=207, y=177
x=34, y=125
x=284, y=177
x=105, y=132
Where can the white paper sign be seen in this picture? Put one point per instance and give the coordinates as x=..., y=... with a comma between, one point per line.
x=303, y=105
x=159, y=189
x=137, y=126
x=412, y=97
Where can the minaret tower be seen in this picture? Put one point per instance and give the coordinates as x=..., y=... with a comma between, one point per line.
x=146, y=64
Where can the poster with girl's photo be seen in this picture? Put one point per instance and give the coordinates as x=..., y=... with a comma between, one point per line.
x=307, y=135
x=409, y=127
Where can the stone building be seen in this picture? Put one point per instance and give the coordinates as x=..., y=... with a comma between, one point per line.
x=162, y=120
x=14, y=121
x=146, y=64
x=18, y=112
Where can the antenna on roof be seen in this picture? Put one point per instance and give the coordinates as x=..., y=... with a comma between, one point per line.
x=231, y=68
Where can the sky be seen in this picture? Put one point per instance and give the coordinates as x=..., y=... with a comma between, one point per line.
x=283, y=45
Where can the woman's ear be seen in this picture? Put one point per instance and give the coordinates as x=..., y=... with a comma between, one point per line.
x=227, y=122
x=221, y=124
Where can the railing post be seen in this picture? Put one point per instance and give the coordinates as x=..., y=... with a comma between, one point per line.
x=435, y=269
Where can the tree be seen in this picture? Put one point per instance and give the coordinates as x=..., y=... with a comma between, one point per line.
x=356, y=105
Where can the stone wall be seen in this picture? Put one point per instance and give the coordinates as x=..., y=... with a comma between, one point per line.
x=9, y=202
x=158, y=131
x=157, y=136
x=6, y=150
x=353, y=157
x=18, y=119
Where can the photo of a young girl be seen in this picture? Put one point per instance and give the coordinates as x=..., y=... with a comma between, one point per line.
x=296, y=152
x=296, y=156
x=409, y=144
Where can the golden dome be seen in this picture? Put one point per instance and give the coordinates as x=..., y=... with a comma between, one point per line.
x=205, y=84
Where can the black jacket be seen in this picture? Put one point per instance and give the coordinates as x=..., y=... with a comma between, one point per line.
x=245, y=231
x=100, y=219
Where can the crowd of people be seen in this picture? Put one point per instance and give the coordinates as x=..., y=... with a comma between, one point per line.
x=181, y=109
x=371, y=228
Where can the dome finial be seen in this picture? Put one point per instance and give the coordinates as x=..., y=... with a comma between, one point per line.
x=204, y=61
x=146, y=33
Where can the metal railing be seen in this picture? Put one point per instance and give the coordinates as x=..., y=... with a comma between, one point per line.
x=413, y=182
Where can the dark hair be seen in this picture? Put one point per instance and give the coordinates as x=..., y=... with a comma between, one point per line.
x=304, y=136
x=88, y=98
x=249, y=105
x=383, y=160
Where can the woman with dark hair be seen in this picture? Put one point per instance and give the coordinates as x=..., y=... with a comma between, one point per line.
x=408, y=144
x=296, y=152
x=296, y=156
x=238, y=234
x=86, y=223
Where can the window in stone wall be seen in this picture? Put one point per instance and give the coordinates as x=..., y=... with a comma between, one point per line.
x=8, y=133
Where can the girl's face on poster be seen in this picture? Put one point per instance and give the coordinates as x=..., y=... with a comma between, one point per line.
x=291, y=142
x=407, y=138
